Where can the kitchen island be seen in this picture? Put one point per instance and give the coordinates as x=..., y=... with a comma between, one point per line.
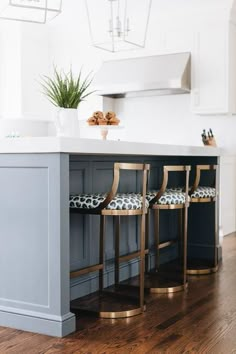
x=40, y=242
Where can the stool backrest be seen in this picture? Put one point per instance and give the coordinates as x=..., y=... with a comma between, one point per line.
x=166, y=170
x=116, y=180
x=200, y=168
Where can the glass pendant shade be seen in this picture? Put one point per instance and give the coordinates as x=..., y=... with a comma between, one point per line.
x=36, y=11
x=117, y=25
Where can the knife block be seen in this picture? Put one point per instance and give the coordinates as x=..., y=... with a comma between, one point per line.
x=209, y=142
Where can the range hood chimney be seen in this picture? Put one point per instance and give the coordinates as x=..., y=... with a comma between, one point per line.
x=145, y=76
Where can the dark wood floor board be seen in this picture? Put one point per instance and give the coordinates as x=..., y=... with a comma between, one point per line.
x=203, y=320
x=24, y=344
x=167, y=328
x=226, y=344
x=8, y=339
x=201, y=331
x=142, y=340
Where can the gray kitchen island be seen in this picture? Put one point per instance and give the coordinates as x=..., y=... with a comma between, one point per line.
x=41, y=243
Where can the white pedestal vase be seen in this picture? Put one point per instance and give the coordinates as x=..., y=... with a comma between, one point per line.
x=67, y=123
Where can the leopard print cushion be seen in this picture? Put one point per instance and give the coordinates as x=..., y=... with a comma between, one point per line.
x=122, y=201
x=170, y=196
x=204, y=192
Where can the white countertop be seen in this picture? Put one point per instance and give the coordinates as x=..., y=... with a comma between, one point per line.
x=97, y=147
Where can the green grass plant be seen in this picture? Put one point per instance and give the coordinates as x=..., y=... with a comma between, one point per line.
x=65, y=90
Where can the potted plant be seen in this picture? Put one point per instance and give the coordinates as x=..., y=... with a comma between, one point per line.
x=66, y=92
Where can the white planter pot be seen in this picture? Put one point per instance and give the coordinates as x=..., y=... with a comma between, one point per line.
x=67, y=123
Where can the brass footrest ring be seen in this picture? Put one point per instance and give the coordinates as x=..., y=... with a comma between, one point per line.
x=203, y=271
x=109, y=305
x=169, y=290
x=122, y=314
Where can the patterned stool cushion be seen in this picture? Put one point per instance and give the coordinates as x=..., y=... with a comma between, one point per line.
x=170, y=196
x=204, y=192
x=122, y=201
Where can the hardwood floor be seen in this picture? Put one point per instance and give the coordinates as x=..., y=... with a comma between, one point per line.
x=203, y=320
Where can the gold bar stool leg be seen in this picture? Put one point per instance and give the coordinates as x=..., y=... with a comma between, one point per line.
x=215, y=238
x=147, y=240
x=101, y=252
x=216, y=222
x=181, y=221
x=142, y=262
x=117, y=249
x=185, y=216
x=157, y=237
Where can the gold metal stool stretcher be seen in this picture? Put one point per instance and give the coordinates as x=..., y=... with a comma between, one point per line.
x=170, y=278
x=117, y=304
x=201, y=266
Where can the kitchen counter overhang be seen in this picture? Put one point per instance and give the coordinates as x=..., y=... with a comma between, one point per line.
x=100, y=147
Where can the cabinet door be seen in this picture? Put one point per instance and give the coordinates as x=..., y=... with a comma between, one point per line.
x=227, y=194
x=177, y=40
x=210, y=71
x=232, y=68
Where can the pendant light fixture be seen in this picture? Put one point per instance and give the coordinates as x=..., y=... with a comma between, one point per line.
x=117, y=25
x=35, y=11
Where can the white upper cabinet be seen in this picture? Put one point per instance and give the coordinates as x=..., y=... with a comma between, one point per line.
x=214, y=65
x=176, y=40
x=232, y=68
x=210, y=71
x=209, y=33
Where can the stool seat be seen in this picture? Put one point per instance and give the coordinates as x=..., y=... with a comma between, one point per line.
x=177, y=196
x=170, y=196
x=204, y=192
x=122, y=201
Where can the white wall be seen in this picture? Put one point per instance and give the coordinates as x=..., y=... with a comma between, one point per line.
x=23, y=59
x=10, y=68
x=35, y=62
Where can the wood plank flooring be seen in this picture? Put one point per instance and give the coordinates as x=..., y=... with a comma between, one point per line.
x=203, y=320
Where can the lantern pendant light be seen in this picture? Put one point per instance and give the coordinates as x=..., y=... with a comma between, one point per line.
x=35, y=11
x=117, y=25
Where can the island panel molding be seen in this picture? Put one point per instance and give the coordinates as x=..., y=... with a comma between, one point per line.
x=34, y=225
x=36, y=221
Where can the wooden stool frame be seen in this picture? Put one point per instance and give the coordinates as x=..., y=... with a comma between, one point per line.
x=201, y=270
x=139, y=306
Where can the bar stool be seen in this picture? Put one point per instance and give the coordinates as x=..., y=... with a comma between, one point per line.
x=203, y=194
x=115, y=304
x=169, y=278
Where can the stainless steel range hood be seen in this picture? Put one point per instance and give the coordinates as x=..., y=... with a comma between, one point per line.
x=145, y=76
